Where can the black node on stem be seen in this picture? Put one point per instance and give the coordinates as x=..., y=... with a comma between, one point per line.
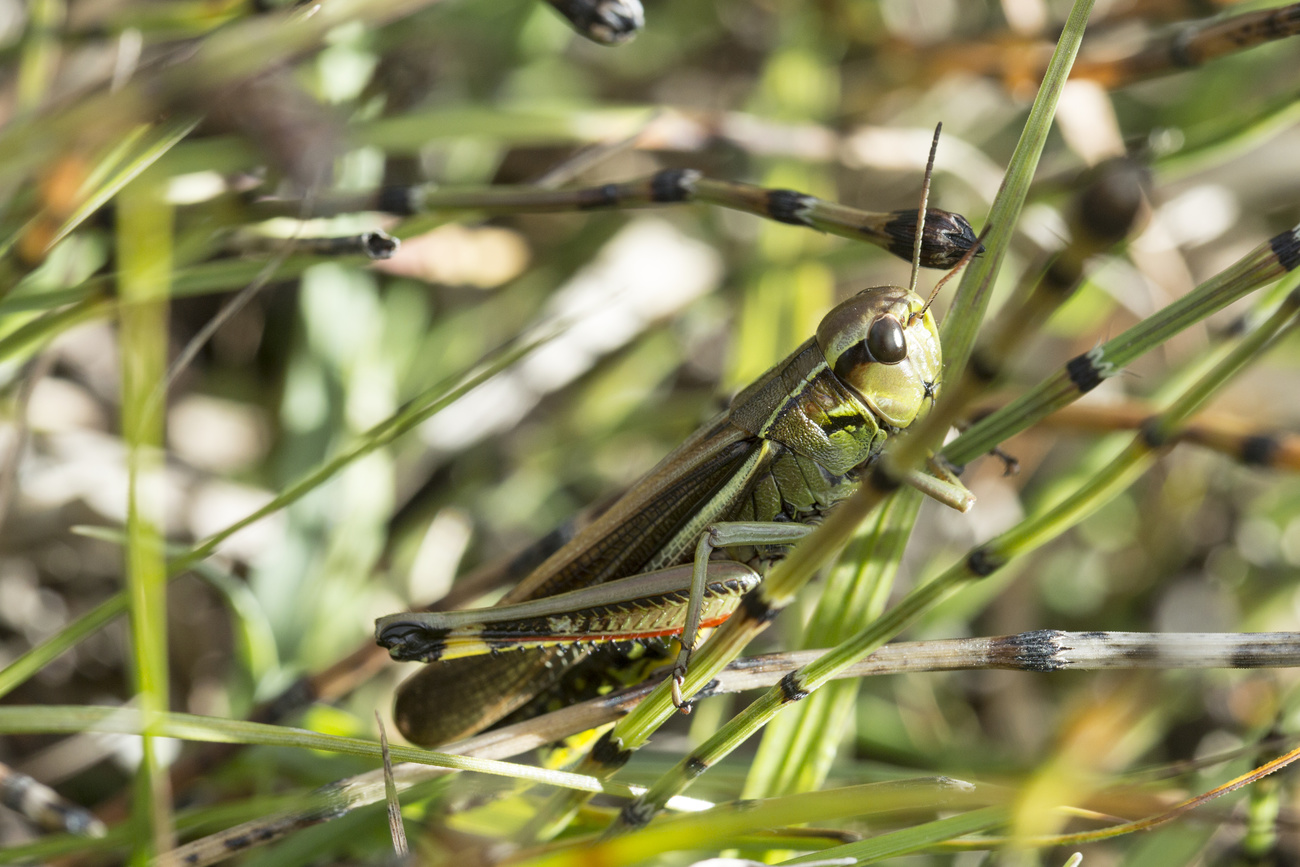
x=792, y=687
x=1260, y=450
x=788, y=206
x=1083, y=373
x=983, y=562
x=672, y=185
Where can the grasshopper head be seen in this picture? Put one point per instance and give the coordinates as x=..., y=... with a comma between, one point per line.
x=893, y=366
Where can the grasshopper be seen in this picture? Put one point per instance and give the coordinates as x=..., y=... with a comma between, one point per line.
x=685, y=544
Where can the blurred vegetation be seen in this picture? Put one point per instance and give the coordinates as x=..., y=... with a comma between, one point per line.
x=138, y=142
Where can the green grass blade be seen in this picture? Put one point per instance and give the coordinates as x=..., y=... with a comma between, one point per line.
x=707, y=829
x=73, y=719
x=122, y=168
x=971, y=300
x=144, y=249
x=922, y=836
x=39, y=331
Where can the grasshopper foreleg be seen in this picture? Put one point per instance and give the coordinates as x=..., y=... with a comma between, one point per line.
x=730, y=534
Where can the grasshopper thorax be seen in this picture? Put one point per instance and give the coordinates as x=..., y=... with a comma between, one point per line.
x=883, y=352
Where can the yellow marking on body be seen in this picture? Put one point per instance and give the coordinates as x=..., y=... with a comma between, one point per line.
x=459, y=648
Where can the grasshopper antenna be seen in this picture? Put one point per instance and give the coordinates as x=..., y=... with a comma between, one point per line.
x=920, y=214
x=975, y=250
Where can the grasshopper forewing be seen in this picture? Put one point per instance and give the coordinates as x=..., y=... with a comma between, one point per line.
x=714, y=514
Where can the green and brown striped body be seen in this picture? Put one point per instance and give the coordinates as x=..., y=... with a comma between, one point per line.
x=790, y=447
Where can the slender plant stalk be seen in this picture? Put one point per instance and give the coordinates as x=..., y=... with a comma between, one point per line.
x=1263, y=265
x=144, y=247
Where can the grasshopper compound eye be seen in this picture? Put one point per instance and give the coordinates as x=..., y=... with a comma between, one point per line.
x=886, y=341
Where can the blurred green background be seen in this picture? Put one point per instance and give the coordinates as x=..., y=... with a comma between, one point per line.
x=199, y=108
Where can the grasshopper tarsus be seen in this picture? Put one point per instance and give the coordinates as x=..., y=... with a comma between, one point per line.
x=679, y=680
x=680, y=702
x=1010, y=463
